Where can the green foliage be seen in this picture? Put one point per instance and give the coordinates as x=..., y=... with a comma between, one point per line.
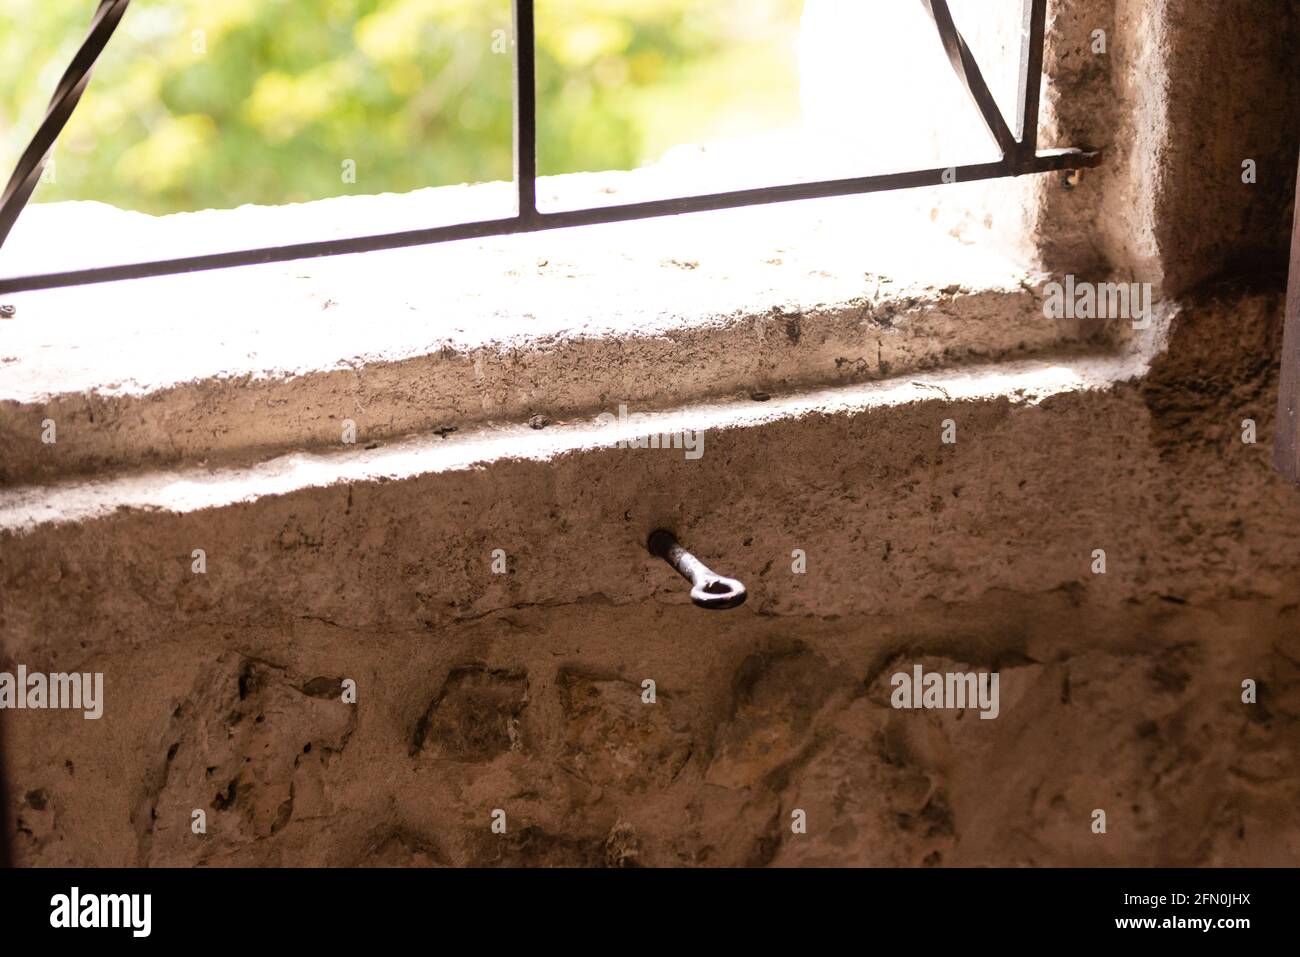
x=214, y=103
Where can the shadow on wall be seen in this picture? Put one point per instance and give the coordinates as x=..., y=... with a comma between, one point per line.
x=1227, y=181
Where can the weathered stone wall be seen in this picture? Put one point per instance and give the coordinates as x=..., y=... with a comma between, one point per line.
x=523, y=691
x=1187, y=91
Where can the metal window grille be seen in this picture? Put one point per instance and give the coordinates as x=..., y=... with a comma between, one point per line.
x=1020, y=155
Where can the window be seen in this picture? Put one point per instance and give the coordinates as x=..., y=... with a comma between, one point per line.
x=1016, y=144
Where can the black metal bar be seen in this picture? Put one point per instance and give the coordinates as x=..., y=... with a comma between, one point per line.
x=1046, y=161
x=968, y=71
x=525, y=109
x=31, y=165
x=1033, y=31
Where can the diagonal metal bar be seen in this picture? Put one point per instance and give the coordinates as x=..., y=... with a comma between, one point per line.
x=1032, y=33
x=968, y=72
x=31, y=166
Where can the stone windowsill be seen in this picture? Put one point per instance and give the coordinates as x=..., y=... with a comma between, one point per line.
x=242, y=365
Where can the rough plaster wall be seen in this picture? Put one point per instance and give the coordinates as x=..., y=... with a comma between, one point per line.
x=1087, y=102
x=522, y=691
x=1187, y=90
x=1234, y=94
x=539, y=713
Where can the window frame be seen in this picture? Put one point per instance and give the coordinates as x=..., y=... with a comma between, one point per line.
x=1019, y=149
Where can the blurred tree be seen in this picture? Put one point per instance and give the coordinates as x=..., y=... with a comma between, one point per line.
x=198, y=104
